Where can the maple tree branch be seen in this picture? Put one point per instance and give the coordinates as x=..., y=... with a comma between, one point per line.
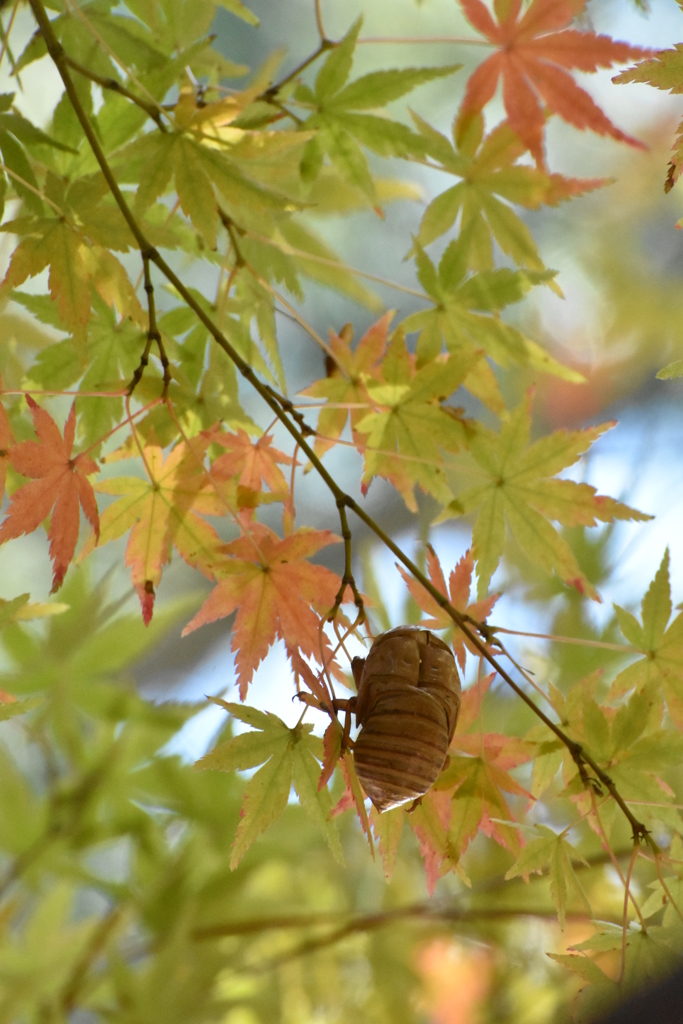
x=370, y=922
x=299, y=430
x=285, y=921
x=115, y=86
x=153, y=335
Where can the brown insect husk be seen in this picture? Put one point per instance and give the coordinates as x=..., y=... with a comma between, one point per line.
x=407, y=706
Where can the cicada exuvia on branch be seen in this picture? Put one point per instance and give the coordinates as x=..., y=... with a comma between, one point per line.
x=407, y=708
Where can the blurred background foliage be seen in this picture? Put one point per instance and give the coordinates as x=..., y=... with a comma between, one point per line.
x=117, y=900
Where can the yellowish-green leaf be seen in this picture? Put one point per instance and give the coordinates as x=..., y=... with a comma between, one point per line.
x=514, y=482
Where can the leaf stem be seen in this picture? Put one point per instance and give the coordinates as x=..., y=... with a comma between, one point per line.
x=459, y=40
x=621, y=648
x=32, y=188
x=299, y=430
x=319, y=21
x=289, y=250
x=4, y=35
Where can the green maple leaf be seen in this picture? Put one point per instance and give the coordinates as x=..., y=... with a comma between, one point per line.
x=491, y=181
x=517, y=487
x=627, y=741
x=342, y=130
x=551, y=849
x=410, y=428
x=663, y=71
x=201, y=175
x=288, y=756
x=466, y=317
x=16, y=133
x=662, y=647
x=112, y=352
x=51, y=241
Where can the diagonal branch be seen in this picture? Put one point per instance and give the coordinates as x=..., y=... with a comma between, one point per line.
x=298, y=431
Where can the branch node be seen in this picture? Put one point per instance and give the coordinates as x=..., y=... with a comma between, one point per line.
x=153, y=333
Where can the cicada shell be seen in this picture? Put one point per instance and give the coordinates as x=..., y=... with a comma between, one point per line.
x=407, y=706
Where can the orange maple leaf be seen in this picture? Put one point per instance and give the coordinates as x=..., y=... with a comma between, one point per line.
x=162, y=513
x=458, y=593
x=59, y=484
x=477, y=781
x=534, y=51
x=250, y=462
x=275, y=591
x=345, y=383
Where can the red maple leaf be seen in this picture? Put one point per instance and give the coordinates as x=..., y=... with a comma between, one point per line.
x=458, y=593
x=534, y=51
x=59, y=484
x=275, y=591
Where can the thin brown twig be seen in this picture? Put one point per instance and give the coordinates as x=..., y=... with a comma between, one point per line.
x=152, y=110
x=347, y=579
x=297, y=432
x=153, y=336
x=272, y=91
